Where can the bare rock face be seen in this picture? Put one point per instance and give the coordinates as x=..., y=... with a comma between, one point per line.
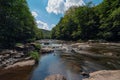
x=56, y=77
x=105, y=75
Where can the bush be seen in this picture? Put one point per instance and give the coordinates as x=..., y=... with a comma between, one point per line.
x=37, y=46
x=35, y=55
x=18, y=44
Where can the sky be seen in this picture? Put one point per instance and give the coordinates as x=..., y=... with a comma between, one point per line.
x=47, y=13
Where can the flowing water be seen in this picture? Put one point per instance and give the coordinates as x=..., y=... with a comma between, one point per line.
x=52, y=64
x=71, y=65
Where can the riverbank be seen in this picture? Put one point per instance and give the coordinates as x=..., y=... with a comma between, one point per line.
x=98, y=75
x=105, y=75
x=19, y=53
x=75, y=61
x=18, y=71
x=22, y=64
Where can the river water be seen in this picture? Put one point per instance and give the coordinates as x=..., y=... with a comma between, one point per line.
x=52, y=64
x=71, y=65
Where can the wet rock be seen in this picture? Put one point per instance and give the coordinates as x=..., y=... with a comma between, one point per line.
x=84, y=74
x=56, y=77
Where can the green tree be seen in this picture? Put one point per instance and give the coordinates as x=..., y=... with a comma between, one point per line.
x=90, y=22
x=16, y=23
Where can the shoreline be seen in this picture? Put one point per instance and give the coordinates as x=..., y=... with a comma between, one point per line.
x=28, y=62
x=104, y=75
x=19, y=71
x=21, y=64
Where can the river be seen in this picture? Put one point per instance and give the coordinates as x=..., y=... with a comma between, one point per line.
x=52, y=64
x=71, y=65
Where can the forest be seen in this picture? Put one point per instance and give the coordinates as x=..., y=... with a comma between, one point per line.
x=90, y=22
x=17, y=25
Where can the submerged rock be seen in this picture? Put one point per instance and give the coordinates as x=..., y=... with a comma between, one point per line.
x=56, y=77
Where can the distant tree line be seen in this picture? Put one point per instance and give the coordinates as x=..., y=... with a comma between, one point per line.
x=17, y=25
x=90, y=22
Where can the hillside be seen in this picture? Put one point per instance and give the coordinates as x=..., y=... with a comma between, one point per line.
x=46, y=33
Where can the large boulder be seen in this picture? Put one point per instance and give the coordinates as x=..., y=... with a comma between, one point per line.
x=56, y=77
x=105, y=75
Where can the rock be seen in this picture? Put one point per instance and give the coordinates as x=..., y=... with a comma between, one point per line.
x=21, y=64
x=47, y=50
x=56, y=77
x=108, y=54
x=105, y=75
x=84, y=74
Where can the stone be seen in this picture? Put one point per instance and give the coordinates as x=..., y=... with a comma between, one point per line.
x=84, y=74
x=56, y=77
x=105, y=75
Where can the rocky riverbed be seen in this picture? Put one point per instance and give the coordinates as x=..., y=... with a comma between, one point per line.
x=11, y=56
x=105, y=75
x=18, y=71
x=79, y=58
x=16, y=64
x=98, y=75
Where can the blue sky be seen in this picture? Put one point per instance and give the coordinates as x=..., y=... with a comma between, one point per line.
x=48, y=12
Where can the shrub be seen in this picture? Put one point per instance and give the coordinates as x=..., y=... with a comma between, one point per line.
x=18, y=44
x=35, y=55
x=37, y=46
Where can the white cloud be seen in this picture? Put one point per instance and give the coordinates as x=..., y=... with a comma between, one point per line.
x=70, y=3
x=42, y=25
x=55, y=6
x=35, y=14
x=60, y=6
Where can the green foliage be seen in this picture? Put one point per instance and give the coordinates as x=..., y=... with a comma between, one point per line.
x=17, y=24
x=35, y=55
x=37, y=46
x=46, y=34
x=39, y=34
x=90, y=22
x=18, y=44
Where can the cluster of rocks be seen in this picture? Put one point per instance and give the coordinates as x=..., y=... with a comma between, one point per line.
x=47, y=50
x=9, y=57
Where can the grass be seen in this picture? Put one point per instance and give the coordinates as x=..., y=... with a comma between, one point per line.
x=35, y=55
x=18, y=44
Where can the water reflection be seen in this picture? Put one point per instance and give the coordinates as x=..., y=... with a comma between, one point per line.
x=52, y=64
x=72, y=65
